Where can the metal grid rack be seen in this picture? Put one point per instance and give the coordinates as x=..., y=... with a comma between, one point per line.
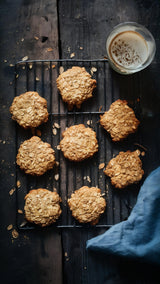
x=41, y=76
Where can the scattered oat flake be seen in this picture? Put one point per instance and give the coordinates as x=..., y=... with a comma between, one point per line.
x=22, y=39
x=58, y=147
x=15, y=234
x=88, y=179
x=11, y=65
x=65, y=254
x=143, y=154
x=56, y=177
x=10, y=227
x=20, y=211
x=93, y=69
x=25, y=58
x=57, y=163
x=101, y=166
x=54, y=131
x=53, y=66
x=81, y=47
x=37, y=79
x=56, y=125
x=36, y=37
x=61, y=69
x=30, y=66
x=72, y=55
x=18, y=183
x=12, y=191
x=17, y=75
x=50, y=49
x=54, y=189
x=5, y=60
x=23, y=224
x=89, y=122
x=23, y=67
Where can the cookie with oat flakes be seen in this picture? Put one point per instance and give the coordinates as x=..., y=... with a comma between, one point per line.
x=125, y=169
x=87, y=204
x=35, y=157
x=29, y=110
x=75, y=86
x=42, y=207
x=119, y=120
x=79, y=142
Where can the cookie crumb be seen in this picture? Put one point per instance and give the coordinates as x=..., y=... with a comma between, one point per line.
x=89, y=122
x=101, y=166
x=12, y=191
x=25, y=58
x=58, y=147
x=54, y=131
x=10, y=227
x=18, y=183
x=15, y=234
x=61, y=69
x=56, y=125
x=72, y=55
x=56, y=177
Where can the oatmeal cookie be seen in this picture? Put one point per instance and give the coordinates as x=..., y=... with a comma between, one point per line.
x=75, y=86
x=125, y=169
x=35, y=157
x=87, y=204
x=29, y=109
x=42, y=207
x=78, y=143
x=119, y=120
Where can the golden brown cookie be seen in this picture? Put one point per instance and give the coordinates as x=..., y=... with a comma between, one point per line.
x=87, y=204
x=42, y=207
x=125, y=169
x=119, y=120
x=29, y=109
x=78, y=143
x=35, y=157
x=75, y=86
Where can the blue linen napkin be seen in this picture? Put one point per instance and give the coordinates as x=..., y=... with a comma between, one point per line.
x=139, y=236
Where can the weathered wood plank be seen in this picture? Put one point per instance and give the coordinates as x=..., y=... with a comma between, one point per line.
x=27, y=28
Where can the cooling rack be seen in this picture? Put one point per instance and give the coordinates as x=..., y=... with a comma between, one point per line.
x=67, y=176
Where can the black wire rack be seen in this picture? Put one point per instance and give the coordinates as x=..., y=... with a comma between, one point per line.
x=68, y=176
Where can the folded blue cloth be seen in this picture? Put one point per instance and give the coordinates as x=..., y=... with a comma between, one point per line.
x=139, y=236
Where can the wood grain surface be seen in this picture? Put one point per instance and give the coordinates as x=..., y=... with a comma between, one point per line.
x=70, y=29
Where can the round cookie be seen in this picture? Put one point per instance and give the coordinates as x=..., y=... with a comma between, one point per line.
x=119, y=120
x=87, y=204
x=78, y=143
x=42, y=207
x=125, y=169
x=29, y=109
x=75, y=86
x=35, y=157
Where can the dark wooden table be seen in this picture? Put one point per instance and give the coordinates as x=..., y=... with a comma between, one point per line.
x=61, y=29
